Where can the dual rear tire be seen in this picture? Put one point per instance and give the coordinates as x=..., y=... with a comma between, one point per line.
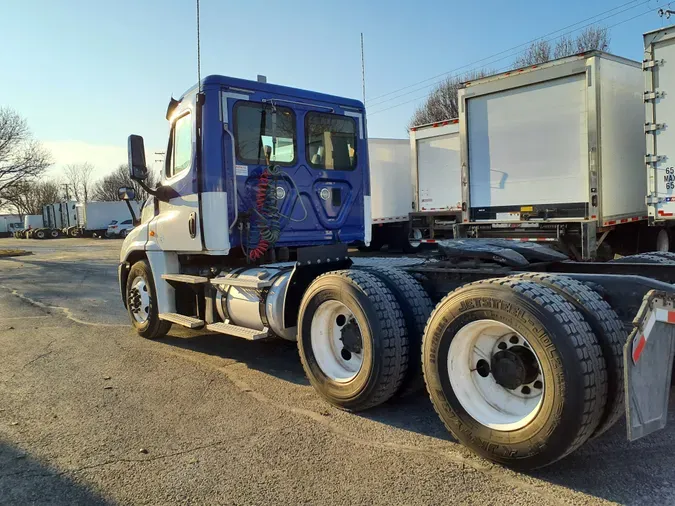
x=524, y=370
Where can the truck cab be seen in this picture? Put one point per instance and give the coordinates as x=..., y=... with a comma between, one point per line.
x=221, y=141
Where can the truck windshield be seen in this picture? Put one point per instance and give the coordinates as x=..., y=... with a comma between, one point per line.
x=331, y=141
x=254, y=130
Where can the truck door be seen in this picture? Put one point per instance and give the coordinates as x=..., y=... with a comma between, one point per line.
x=323, y=158
x=176, y=226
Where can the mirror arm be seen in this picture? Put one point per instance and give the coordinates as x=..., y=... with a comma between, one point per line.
x=134, y=219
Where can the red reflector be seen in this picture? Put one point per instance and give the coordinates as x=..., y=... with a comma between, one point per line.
x=638, y=349
x=624, y=220
x=613, y=222
x=594, y=217
x=454, y=121
x=435, y=125
x=534, y=66
x=445, y=123
x=413, y=129
x=465, y=221
x=671, y=316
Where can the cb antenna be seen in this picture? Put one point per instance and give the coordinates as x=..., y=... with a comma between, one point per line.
x=363, y=72
x=199, y=61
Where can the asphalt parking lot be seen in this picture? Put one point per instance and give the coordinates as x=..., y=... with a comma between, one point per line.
x=90, y=413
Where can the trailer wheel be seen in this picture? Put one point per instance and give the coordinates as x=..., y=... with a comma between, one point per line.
x=53, y=234
x=39, y=234
x=663, y=240
x=73, y=232
x=514, y=372
x=352, y=339
x=608, y=330
x=656, y=257
x=417, y=306
x=141, y=305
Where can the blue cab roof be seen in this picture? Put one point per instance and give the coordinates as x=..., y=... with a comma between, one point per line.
x=275, y=89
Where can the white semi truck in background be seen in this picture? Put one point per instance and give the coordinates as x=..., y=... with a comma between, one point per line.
x=10, y=224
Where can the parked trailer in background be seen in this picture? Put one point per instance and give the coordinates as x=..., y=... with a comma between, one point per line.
x=391, y=192
x=437, y=180
x=93, y=218
x=68, y=212
x=555, y=152
x=659, y=101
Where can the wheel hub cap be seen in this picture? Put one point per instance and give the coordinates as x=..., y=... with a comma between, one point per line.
x=514, y=367
x=139, y=300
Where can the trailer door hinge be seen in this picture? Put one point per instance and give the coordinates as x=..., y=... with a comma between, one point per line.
x=653, y=158
x=653, y=127
x=652, y=95
x=649, y=64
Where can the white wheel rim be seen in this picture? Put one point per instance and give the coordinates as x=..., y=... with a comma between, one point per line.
x=483, y=398
x=662, y=241
x=335, y=358
x=416, y=239
x=139, y=300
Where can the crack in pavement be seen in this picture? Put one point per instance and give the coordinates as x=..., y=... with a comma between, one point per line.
x=42, y=355
x=215, y=444
x=67, y=311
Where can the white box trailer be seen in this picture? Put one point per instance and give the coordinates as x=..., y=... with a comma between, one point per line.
x=391, y=192
x=555, y=152
x=659, y=108
x=31, y=221
x=437, y=178
x=93, y=218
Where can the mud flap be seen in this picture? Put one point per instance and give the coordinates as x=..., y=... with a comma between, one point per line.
x=648, y=363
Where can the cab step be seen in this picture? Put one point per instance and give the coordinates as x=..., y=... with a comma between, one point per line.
x=185, y=278
x=237, y=331
x=253, y=282
x=186, y=321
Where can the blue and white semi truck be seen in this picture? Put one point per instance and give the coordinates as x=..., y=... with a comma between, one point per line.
x=525, y=354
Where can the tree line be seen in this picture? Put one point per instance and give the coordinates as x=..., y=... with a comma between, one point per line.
x=441, y=104
x=24, y=188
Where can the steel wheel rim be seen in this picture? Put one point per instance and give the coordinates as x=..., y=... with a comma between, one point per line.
x=485, y=399
x=337, y=359
x=139, y=300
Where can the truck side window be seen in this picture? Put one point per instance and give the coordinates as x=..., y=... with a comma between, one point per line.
x=330, y=141
x=180, y=150
x=254, y=131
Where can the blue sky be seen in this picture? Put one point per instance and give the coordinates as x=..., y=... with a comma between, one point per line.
x=88, y=73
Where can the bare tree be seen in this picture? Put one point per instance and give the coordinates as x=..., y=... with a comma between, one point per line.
x=537, y=52
x=22, y=158
x=28, y=197
x=442, y=101
x=79, y=180
x=106, y=188
x=589, y=39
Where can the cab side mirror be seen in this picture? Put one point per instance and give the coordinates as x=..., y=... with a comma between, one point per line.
x=138, y=170
x=126, y=193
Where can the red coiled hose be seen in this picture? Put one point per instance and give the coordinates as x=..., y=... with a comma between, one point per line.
x=261, y=196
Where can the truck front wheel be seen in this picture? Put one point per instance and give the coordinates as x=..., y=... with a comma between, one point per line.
x=352, y=339
x=514, y=372
x=141, y=302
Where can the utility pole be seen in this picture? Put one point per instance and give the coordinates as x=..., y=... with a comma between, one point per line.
x=67, y=194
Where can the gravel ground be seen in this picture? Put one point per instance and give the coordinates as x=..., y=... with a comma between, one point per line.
x=92, y=414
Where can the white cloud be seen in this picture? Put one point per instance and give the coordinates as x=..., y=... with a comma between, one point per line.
x=104, y=158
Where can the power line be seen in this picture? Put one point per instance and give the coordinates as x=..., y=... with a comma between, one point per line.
x=499, y=70
x=543, y=37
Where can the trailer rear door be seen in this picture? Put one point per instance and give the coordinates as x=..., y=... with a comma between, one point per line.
x=660, y=122
x=529, y=146
x=438, y=168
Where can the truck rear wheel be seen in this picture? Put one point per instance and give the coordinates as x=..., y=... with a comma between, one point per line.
x=417, y=306
x=141, y=302
x=608, y=330
x=54, y=234
x=514, y=372
x=39, y=234
x=352, y=339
